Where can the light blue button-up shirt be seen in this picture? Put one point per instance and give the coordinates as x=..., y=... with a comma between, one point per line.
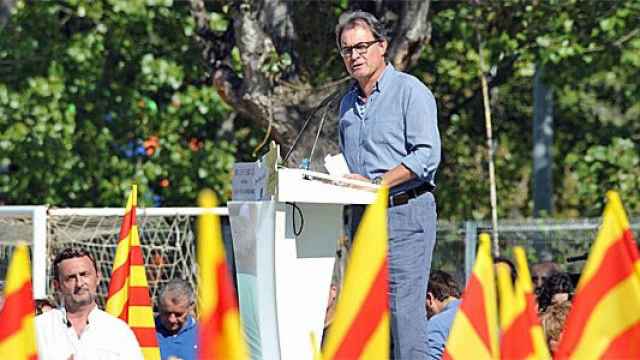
x=397, y=124
x=438, y=328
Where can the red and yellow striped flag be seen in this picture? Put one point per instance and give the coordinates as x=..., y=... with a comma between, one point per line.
x=220, y=335
x=17, y=325
x=474, y=332
x=604, y=321
x=360, y=329
x=522, y=335
x=128, y=289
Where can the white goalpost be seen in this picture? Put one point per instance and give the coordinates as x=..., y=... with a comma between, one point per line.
x=27, y=224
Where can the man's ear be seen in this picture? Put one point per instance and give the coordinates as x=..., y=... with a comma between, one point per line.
x=385, y=46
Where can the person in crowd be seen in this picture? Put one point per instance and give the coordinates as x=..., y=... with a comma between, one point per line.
x=557, y=288
x=44, y=305
x=78, y=329
x=176, y=328
x=443, y=299
x=389, y=135
x=541, y=271
x=553, y=320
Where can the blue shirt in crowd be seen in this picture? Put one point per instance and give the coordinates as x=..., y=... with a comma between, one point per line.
x=438, y=329
x=183, y=345
x=397, y=124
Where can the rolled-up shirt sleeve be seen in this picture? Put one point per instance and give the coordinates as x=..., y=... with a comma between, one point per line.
x=422, y=136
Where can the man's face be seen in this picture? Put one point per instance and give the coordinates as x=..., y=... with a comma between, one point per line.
x=362, y=66
x=77, y=282
x=173, y=314
x=539, y=273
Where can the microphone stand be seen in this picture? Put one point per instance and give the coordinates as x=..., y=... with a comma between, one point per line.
x=326, y=103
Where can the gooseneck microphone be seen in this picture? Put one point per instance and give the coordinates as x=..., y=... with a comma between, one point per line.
x=326, y=104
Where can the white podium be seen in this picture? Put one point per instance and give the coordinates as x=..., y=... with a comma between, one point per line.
x=284, y=253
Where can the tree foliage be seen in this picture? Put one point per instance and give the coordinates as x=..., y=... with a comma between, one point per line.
x=84, y=85
x=98, y=95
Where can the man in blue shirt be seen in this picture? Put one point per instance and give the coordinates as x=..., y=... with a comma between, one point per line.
x=176, y=329
x=389, y=135
x=443, y=300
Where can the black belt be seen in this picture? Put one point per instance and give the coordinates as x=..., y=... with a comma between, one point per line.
x=403, y=197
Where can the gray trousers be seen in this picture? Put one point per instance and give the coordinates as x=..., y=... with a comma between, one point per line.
x=412, y=237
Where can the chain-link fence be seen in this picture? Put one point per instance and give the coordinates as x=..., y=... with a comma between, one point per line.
x=565, y=242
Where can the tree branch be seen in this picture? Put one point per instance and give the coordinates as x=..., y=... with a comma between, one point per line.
x=411, y=34
x=276, y=17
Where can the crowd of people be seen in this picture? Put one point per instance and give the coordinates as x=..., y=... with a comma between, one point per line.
x=554, y=289
x=78, y=329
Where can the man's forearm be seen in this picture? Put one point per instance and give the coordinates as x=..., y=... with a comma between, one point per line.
x=398, y=175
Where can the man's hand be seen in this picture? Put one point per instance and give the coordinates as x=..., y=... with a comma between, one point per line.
x=357, y=177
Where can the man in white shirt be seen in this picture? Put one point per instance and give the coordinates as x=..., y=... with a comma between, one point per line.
x=78, y=330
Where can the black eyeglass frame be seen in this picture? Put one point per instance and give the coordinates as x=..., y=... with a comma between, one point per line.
x=361, y=48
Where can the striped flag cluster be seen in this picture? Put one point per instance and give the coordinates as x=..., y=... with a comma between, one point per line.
x=522, y=336
x=220, y=335
x=128, y=297
x=360, y=329
x=474, y=332
x=604, y=321
x=17, y=324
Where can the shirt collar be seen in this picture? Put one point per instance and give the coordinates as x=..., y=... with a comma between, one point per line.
x=385, y=77
x=90, y=319
x=188, y=324
x=380, y=84
x=451, y=302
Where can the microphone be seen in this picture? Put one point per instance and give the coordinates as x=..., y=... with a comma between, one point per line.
x=326, y=103
x=577, y=258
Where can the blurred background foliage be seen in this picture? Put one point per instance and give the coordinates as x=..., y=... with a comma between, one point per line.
x=95, y=95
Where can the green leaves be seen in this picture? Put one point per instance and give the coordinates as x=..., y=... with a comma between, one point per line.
x=103, y=99
x=218, y=21
x=160, y=72
x=590, y=52
x=611, y=166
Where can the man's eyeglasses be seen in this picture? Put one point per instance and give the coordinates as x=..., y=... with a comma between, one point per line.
x=361, y=48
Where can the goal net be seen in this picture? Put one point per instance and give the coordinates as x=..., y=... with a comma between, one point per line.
x=167, y=237
x=168, y=245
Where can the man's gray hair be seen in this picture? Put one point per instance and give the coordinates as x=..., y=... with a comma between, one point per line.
x=359, y=17
x=176, y=291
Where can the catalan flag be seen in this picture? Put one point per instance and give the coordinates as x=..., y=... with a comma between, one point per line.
x=360, y=329
x=220, y=335
x=474, y=332
x=604, y=321
x=128, y=289
x=522, y=335
x=17, y=325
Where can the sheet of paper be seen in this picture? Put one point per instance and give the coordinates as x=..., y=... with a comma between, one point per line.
x=336, y=165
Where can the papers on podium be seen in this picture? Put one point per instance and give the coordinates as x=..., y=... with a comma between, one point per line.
x=336, y=165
